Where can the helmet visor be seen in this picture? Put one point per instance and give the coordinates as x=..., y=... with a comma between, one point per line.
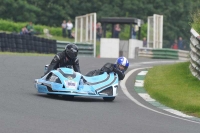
x=72, y=53
x=122, y=68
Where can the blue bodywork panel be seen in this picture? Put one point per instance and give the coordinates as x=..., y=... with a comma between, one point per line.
x=64, y=81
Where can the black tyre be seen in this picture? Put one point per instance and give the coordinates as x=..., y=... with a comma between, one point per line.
x=109, y=99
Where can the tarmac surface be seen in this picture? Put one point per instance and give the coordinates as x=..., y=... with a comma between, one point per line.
x=23, y=110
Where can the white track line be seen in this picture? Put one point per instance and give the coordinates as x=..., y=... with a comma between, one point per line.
x=125, y=91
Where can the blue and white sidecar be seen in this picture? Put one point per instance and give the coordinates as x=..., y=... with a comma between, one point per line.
x=67, y=82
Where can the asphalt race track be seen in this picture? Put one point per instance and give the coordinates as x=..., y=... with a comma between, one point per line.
x=23, y=110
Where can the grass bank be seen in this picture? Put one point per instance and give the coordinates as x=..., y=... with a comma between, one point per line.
x=175, y=87
x=25, y=54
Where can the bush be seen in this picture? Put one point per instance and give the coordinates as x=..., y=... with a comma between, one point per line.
x=195, y=20
x=11, y=26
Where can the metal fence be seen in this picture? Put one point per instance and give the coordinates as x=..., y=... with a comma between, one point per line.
x=195, y=54
x=85, y=50
x=163, y=53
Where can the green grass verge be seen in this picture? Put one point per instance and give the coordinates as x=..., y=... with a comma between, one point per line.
x=59, y=38
x=97, y=48
x=175, y=87
x=25, y=54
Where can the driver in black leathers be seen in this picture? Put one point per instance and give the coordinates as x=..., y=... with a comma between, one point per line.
x=68, y=57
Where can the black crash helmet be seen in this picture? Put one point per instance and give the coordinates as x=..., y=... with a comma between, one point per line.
x=71, y=50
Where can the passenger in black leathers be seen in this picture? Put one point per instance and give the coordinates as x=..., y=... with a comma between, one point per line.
x=65, y=59
x=119, y=67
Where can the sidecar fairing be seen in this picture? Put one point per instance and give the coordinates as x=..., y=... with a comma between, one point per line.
x=64, y=81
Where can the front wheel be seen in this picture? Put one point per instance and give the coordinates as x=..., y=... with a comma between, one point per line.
x=110, y=99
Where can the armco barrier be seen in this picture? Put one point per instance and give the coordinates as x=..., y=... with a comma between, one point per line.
x=85, y=50
x=195, y=54
x=163, y=53
x=26, y=43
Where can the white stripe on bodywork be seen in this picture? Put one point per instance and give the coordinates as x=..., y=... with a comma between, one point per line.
x=115, y=90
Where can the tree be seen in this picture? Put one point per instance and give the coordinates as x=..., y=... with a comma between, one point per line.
x=176, y=12
x=19, y=11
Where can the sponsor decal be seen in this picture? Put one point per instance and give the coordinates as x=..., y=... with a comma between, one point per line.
x=70, y=84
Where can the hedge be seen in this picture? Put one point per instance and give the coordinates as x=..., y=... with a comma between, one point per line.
x=11, y=26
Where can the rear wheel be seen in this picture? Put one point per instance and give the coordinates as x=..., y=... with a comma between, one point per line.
x=110, y=99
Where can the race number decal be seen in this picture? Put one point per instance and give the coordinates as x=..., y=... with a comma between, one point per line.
x=70, y=84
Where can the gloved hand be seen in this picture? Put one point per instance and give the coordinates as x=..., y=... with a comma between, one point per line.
x=120, y=74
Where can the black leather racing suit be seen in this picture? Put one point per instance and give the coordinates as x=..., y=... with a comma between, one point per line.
x=59, y=60
x=108, y=67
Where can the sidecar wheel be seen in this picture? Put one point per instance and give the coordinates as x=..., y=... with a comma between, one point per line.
x=110, y=99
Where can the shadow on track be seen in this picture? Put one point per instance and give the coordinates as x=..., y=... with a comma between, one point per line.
x=73, y=99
